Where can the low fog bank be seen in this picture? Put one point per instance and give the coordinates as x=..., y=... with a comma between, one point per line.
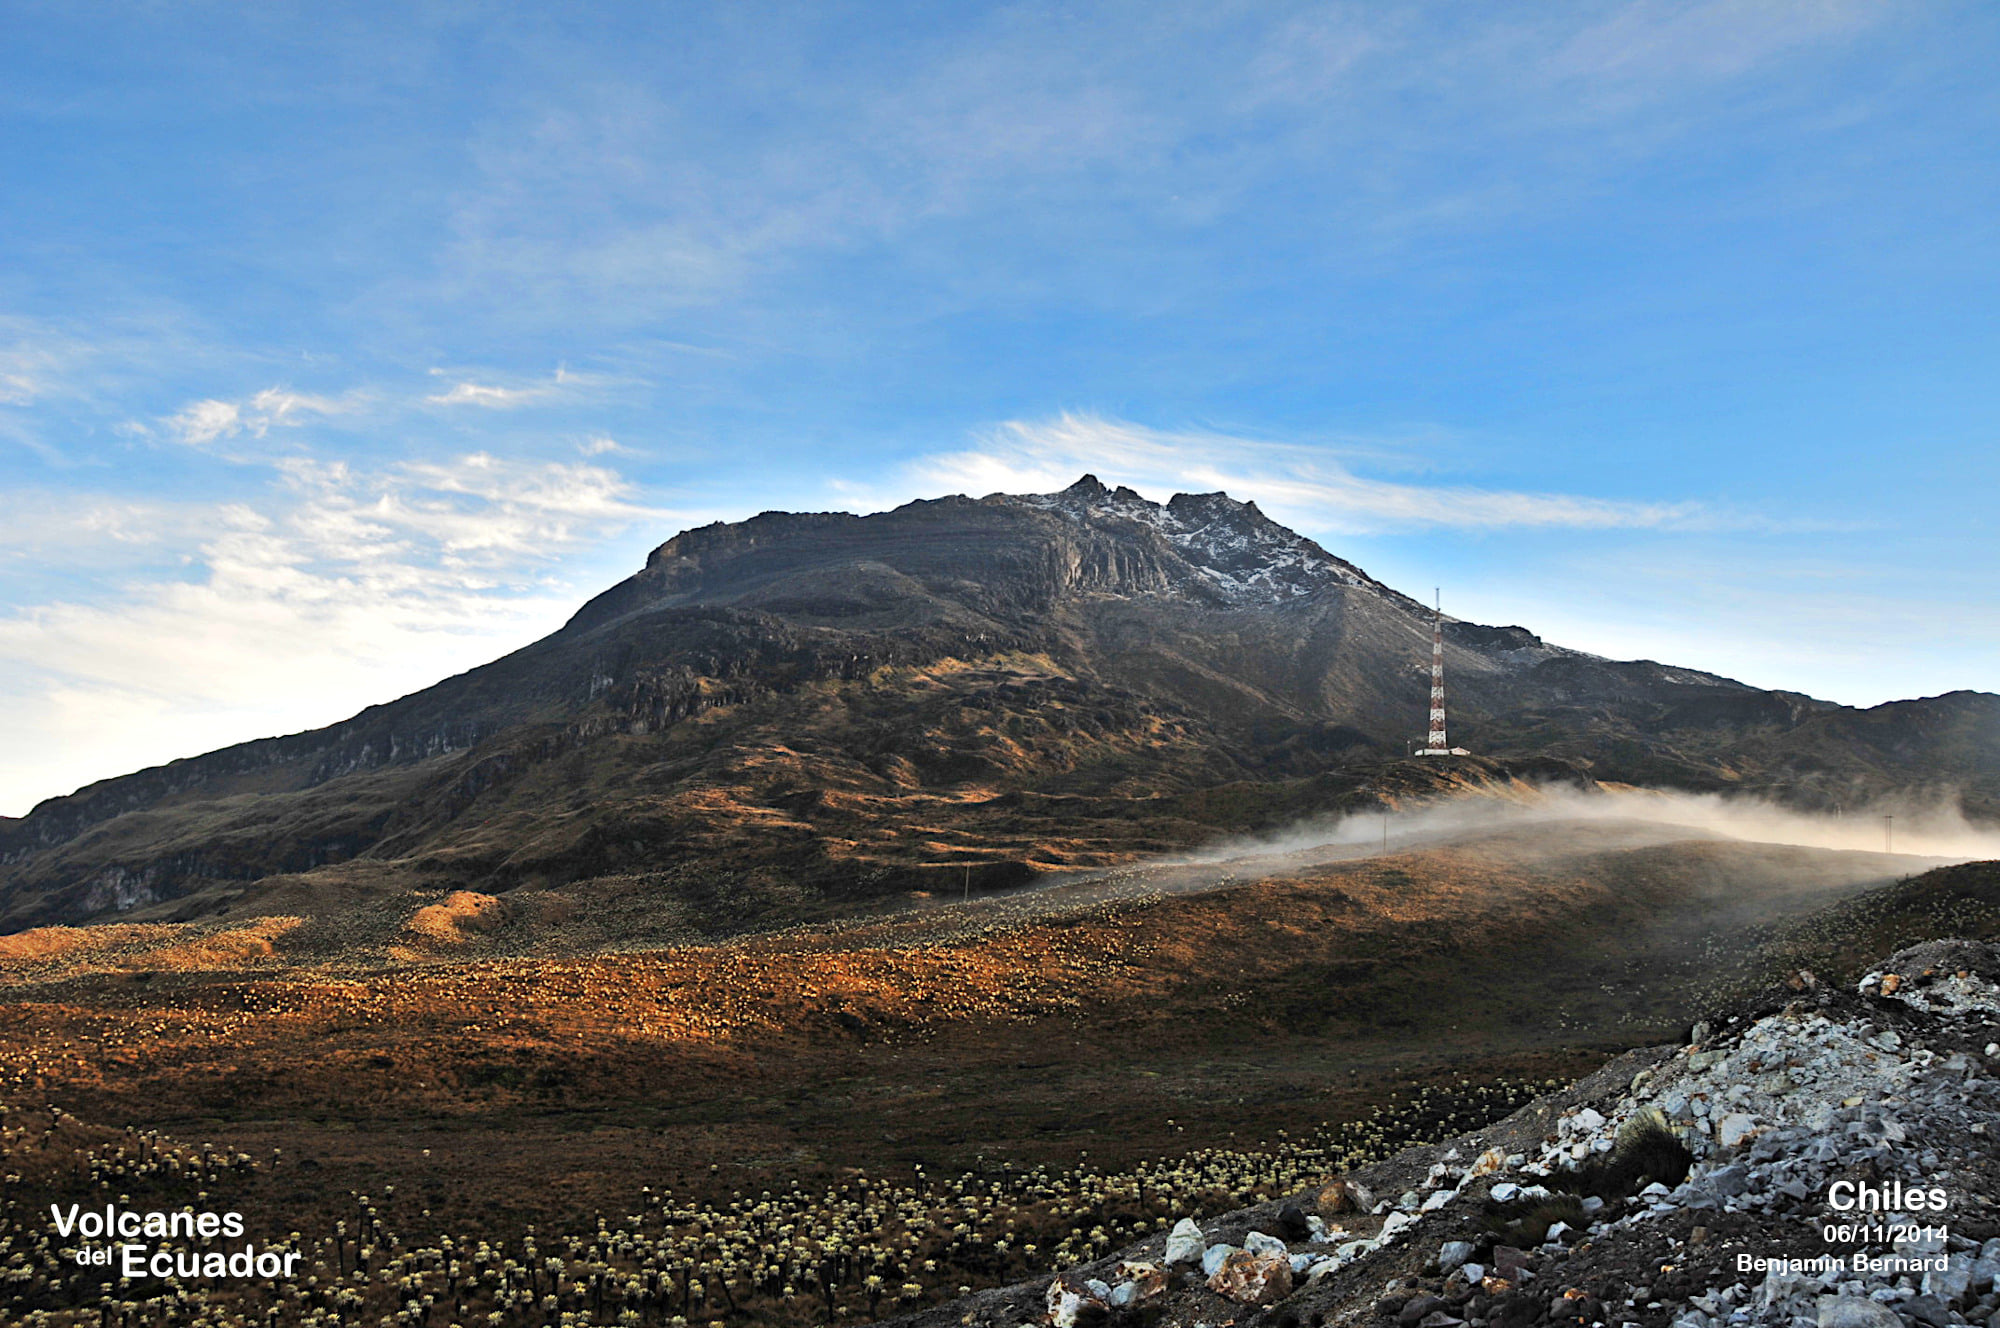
x=1539, y=824
x=1935, y=830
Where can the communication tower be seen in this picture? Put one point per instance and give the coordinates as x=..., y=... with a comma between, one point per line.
x=1436, y=744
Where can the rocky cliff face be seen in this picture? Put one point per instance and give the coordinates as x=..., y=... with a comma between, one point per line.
x=787, y=701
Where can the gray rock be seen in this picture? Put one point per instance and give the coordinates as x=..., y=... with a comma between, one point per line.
x=1185, y=1243
x=1952, y=1281
x=1922, y=1240
x=1735, y=1128
x=1727, y=1182
x=1418, y=1307
x=1856, y=1312
x=1260, y=1244
x=1928, y=1309
x=1453, y=1254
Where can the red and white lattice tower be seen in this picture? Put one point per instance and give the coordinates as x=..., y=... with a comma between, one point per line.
x=1437, y=744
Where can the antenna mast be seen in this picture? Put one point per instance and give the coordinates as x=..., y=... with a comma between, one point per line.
x=1437, y=744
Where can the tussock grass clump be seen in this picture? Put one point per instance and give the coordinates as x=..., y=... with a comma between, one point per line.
x=1647, y=1150
x=1525, y=1223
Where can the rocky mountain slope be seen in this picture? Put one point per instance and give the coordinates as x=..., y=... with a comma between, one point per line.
x=1821, y=1157
x=795, y=712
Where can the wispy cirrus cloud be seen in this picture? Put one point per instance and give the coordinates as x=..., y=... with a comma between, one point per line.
x=39, y=360
x=19, y=383
x=210, y=420
x=471, y=513
x=64, y=381
x=336, y=588
x=563, y=385
x=483, y=394
x=1659, y=45
x=1305, y=485
x=54, y=524
x=606, y=198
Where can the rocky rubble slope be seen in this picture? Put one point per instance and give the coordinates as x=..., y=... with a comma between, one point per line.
x=1821, y=1157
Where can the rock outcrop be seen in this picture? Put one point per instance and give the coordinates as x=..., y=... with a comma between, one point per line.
x=1818, y=1159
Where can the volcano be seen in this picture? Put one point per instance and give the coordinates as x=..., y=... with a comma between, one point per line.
x=796, y=714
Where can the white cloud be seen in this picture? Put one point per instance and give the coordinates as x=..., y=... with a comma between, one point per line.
x=482, y=394
x=338, y=590
x=202, y=422
x=564, y=384
x=38, y=360
x=49, y=370
x=205, y=421
x=18, y=386
x=65, y=530
x=1304, y=486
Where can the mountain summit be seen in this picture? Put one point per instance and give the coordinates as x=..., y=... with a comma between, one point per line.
x=1030, y=551
x=802, y=710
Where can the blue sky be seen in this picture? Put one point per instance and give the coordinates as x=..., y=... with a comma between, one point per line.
x=342, y=351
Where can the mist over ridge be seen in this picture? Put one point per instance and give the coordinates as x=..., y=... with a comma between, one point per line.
x=1934, y=828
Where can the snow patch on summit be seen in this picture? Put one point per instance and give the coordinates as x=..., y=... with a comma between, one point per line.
x=1239, y=553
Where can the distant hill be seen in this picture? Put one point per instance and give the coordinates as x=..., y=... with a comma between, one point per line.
x=795, y=713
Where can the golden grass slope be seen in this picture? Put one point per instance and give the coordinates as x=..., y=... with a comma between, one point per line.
x=51, y=953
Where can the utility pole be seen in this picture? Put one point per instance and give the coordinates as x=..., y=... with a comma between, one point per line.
x=1888, y=824
x=1385, y=832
